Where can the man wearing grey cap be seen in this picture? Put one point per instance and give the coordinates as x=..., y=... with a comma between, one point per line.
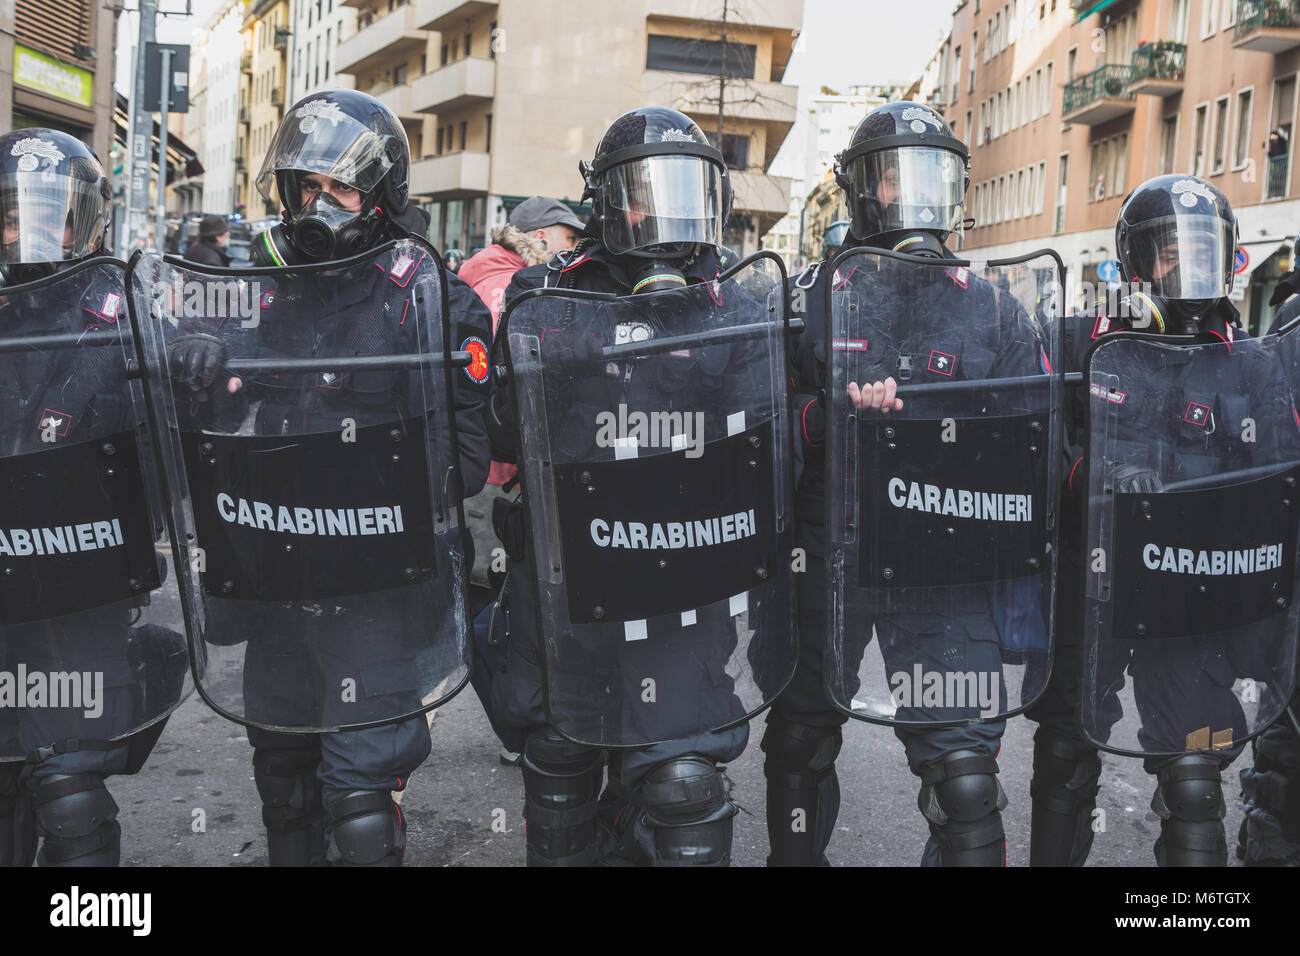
x=214, y=236
x=538, y=228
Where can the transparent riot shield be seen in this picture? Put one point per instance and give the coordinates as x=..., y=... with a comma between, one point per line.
x=314, y=503
x=92, y=646
x=1190, y=619
x=657, y=471
x=942, y=515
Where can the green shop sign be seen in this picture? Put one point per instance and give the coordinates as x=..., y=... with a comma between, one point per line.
x=43, y=73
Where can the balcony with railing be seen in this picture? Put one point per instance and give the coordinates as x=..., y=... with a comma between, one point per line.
x=451, y=176
x=448, y=15
x=388, y=39
x=1158, y=68
x=1276, y=177
x=1099, y=96
x=936, y=101
x=1267, y=26
x=461, y=83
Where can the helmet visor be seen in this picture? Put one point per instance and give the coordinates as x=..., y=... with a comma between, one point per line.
x=49, y=217
x=1185, y=257
x=318, y=137
x=911, y=187
x=660, y=200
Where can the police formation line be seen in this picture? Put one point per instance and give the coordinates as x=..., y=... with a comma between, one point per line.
x=331, y=514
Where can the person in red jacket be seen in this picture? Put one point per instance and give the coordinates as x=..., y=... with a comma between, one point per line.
x=537, y=229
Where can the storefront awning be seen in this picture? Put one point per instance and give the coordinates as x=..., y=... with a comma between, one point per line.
x=1092, y=8
x=1257, y=253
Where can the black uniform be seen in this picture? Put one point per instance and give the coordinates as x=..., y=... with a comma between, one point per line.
x=81, y=394
x=1066, y=766
x=510, y=681
x=803, y=734
x=312, y=316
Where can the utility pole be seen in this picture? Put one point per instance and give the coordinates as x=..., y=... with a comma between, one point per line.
x=136, y=221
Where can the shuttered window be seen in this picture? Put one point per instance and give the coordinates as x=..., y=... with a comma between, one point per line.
x=57, y=26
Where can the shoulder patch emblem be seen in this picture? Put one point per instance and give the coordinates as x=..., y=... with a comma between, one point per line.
x=52, y=418
x=477, y=369
x=941, y=362
x=1197, y=414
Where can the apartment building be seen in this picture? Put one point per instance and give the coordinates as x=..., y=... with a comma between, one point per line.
x=56, y=68
x=1068, y=104
x=263, y=80
x=501, y=100
x=318, y=27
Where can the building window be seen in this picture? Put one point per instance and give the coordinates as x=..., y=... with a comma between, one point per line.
x=1168, y=144
x=1220, y=154
x=487, y=133
x=468, y=39
x=1241, y=145
x=1198, y=139
x=492, y=40
x=1178, y=21
x=1209, y=14
x=974, y=45
x=1019, y=193
x=439, y=140
x=1229, y=13
x=969, y=143
x=1119, y=159
x=455, y=48
x=956, y=75
x=464, y=131
x=1048, y=91
x=1062, y=180
x=1042, y=187
x=689, y=55
x=1071, y=63
x=399, y=75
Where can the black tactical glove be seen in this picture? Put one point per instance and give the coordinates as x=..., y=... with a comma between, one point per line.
x=196, y=359
x=1133, y=480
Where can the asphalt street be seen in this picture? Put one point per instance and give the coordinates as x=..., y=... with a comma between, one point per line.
x=195, y=804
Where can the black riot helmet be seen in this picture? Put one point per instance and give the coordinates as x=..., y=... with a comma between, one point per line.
x=658, y=187
x=834, y=237
x=904, y=176
x=54, y=200
x=353, y=139
x=1177, y=236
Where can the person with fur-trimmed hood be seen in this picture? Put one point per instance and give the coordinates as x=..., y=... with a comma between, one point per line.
x=537, y=229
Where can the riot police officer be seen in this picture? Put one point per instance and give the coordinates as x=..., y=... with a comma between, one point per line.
x=661, y=195
x=904, y=175
x=1175, y=239
x=339, y=164
x=57, y=401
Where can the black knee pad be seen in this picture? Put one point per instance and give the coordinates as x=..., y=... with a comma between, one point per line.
x=365, y=828
x=1189, y=802
x=1064, y=792
x=561, y=787
x=685, y=804
x=962, y=800
x=1276, y=777
x=291, y=804
x=803, y=793
x=78, y=819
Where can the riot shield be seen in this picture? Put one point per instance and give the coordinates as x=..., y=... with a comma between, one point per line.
x=1190, y=620
x=314, y=501
x=92, y=646
x=941, y=515
x=656, y=462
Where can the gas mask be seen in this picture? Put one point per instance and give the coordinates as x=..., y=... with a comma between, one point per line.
x=323, y=230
